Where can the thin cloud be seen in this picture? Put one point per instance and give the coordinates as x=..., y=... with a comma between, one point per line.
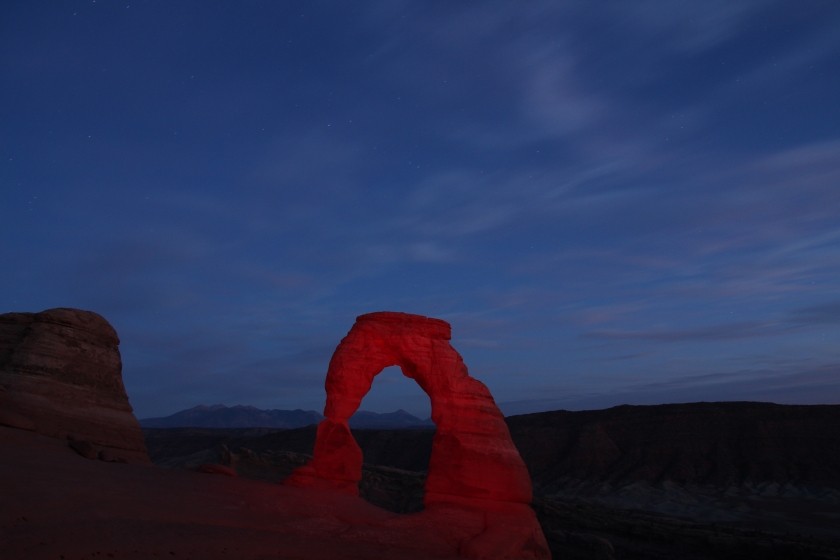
x=816, y=385
x=824, y=314
x=702, y=28
x=730, y=331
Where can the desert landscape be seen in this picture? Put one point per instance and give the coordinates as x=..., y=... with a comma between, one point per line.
x=81, y=479
x=420, y=280
x=700, y=480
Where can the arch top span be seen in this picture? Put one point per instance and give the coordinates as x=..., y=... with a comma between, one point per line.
x=396, y=323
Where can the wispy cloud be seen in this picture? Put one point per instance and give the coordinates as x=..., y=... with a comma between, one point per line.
x=818, y=384
x=825, y=314
x=691, y=28
x=730, y=331
x=811, y=316
x=553, y=97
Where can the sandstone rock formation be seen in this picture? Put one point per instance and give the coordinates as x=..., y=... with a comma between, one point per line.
x=474, y=469
x=60, y=375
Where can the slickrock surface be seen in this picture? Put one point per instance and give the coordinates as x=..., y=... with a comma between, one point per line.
x=61, y=376
x=56, y=504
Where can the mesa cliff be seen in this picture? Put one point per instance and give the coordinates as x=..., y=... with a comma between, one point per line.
x=61, y=376
x=723, y=445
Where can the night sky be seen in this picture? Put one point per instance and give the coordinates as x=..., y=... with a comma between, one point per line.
x=612, y=202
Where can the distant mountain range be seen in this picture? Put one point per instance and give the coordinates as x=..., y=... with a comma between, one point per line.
x=239, y=416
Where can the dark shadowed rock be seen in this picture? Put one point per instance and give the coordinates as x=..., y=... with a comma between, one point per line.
x=717, y=444
x=214, y=468
x=61, y=376
x=364, y=420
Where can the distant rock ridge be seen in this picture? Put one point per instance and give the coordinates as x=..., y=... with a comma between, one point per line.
x=238, y=416
x=61, y=376
x=720, y=445
x=244, y=416
x=714, y=444
x=365, y=420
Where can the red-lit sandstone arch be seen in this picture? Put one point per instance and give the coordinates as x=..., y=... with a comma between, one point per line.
x=478, y=491
x=473, y=462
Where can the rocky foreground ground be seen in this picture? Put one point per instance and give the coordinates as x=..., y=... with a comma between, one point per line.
x=58, y=505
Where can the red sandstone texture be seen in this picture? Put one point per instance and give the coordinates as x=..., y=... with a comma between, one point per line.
x=60, y=376
x=474, y=466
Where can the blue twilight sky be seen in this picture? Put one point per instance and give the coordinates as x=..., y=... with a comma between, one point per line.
x=611, y=202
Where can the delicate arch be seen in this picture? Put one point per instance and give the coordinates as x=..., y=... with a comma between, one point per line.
x=473, y=461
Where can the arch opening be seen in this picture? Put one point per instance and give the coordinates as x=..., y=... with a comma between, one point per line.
x=396, y=444
x=393, y=390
